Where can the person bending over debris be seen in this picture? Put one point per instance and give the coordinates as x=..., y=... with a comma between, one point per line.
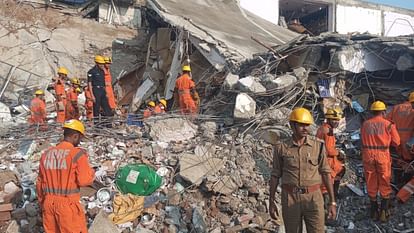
x=38, y=110
x=108, y=84
x=72, y=108
x=96, y=82
x=149, y=110
x=186, y=93
x=300, y=162
x=63, y=170
x=377, y=135
x=334, y=156
x=60, y=94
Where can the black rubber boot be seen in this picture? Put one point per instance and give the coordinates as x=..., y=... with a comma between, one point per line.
x=384, y=212
x=374, y=210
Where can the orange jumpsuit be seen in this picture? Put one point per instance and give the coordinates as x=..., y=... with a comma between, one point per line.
x=325, y=133
x=184, y=84
x=148, y=112
x=63, y=170
x=403, y=117
x=377, y=135
x=88, y=104
x=159, y=109
x=406, y=191
x=38, y=111
x=60, y=100
x=109, y=90
x=72, y=109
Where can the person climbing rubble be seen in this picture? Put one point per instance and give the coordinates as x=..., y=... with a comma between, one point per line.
x=72, y=108
x=334, y=156
x=403, y=117
x=185, y=92
x=96, y=83
x=149, y=111
x=377, y=135
x=161, y=107
x=108, y=84
x=60, y=94
x=63, y=170
x=301, y=182
x=38, y=110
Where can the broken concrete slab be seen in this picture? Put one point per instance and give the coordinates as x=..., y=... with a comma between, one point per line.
x=13, y=227
x=208, y=129
x=225, y=186
x=231, y=80
x=405, y=62
x=102, y=224
x=172, y=129
x=281, y=83
x=250, y=84
x=245, y=107
x=5, y=115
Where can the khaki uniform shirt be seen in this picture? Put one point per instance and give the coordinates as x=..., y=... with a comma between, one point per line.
x=300, y=166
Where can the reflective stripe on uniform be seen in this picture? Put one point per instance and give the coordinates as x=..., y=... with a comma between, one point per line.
x=77, y=156
x=59, y=191
x=404, y=129
x=375, y=147
x=409, y=188
x=184, y=92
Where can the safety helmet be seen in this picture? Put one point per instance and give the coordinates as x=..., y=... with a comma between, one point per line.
x=99, y=59
x=75, y=125
x=108, y=60
x=151, y=104
x=301, y=115
x=39, y=92
x=411, y=97
x=78, y=90
x=62, y=70
x=378, y=106
x=187, y=68
x=163, y=102
x=334, y=113
x=75, y=81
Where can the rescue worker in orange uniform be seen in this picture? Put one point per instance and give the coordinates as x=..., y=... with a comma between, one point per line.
x=334, y=156
x=149, y=110
x=38, y=110
x=60, y=94
x=63, y=170
x=186, y=93
x=88, y=103
x=300, y=164
x=72, y=108
x=377, y=135
x=108, y=84
x=161, y=107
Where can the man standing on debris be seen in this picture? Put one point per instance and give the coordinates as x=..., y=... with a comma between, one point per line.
x=377, y=135
x=38, y=109
x=72, y=108
x=186, y=93
x=96, y=83
x=334, y=156
x=60, y=94
x=63, y=170
x=300, y=162
x=108, y=84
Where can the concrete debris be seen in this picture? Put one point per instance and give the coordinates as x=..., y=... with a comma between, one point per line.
x=5, y=115
x=230, y=81
x=102, y=224
x=250, y=84
x=172, y=129
x=405, y=62
x=245, y=107
x=281, y=83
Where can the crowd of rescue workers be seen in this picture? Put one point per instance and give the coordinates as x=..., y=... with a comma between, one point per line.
x=309, y=169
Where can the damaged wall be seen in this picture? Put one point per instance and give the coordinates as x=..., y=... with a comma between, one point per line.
x=349, y=19
x=123, y=15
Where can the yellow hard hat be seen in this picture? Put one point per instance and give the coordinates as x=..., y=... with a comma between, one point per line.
x=99, y=59
x=78, y=90
x=187, y=68
x=62, y=70
x=378, y=106
x=301, y=115
x=163, y=102
x=75, y=125
x=334, y=113
x=411, y=97
x=39, y=92
x=151, y=103
x=75, y=81
x=108, y=60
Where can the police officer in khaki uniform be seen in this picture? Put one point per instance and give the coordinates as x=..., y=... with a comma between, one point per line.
x=301, y=164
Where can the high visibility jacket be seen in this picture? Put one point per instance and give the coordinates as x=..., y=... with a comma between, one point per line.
x=109, y=90
x=88, y=103
x=60, y=93
x=63, y=169
x=325, y=133
x=72, y=109
x=403, y=117
x=159, y=109
x=377, y=135
x=60, y=88
x=38, y=111
x=406, y=191
x=184, y=84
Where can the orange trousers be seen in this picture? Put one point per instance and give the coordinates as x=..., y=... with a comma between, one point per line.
x=110, y=96
x=336, y=168
x=406, y=191
x=187, y=104
x=377, y=169
x=63, y=215
x=61, y=112
x=89, y=109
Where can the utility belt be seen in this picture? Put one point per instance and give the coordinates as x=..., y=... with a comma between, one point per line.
x=293, y=189
x=385, y=148
x=181, y=92
x=98, y=86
